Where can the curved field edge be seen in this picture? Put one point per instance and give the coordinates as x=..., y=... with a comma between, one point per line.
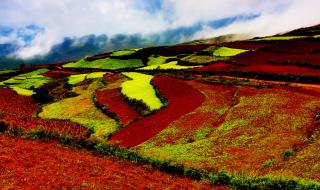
x=140, y=89
x=24, y=83
x=113, y=104
x=75, y=79
x=107, y=64
x=214, y=177
x=81, y=109
x=181, y=97
x=173, y=65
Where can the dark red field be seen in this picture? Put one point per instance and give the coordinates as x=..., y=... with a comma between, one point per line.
x=58, y=74
x=249, y=45
x=264, y=58
x=62, y=127
x=114, y=102
x=288, y=70
x=182, y=98
x=11, y=102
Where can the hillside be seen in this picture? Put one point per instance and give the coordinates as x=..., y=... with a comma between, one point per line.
x=209, y=114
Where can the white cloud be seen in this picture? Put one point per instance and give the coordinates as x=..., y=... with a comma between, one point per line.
x=75, y=18
x=298, y=14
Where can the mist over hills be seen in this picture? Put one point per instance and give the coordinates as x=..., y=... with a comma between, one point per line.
x=73, y=48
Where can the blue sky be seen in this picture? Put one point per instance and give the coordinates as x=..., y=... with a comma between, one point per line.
x=36, y=26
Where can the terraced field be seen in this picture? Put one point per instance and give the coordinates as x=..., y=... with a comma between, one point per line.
x=237, y=115
x=81, y=109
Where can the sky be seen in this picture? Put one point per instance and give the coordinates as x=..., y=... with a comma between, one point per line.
x=36, y=26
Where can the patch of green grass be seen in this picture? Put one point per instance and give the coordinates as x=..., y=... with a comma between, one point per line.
x=139, y=88
x=211, y=49
x=268, y=163
x=202, y=133
x=223, y=110
x=201, y=59
x=232, y=124
x=22, y=91
x=122, y=53
x=107, y=63
x=228, y=52
x=23, y=83
x=75, y=79
x=5, y=71
x=81, y=109
x=276, y=38
x=172, y=65
x=157, y=60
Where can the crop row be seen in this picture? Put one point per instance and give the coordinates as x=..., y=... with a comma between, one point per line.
x=113, y=101
x=277, y=70
x=24, y=83
x=235, y=135
x=181, y=97
x=11, y=102
x=140, y=89
x=81, y=109
x=61, y=127
x=107, y=63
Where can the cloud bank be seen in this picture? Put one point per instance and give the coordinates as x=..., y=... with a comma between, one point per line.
x=46, y=23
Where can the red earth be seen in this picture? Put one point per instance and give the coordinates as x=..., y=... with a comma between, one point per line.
x=248, y=45
x=182, y=99
x=260, y=68
x=271, y=58
x=59, y=74
x=299, y=46
x=114, y=102
x=18, y=111
x=63, y=127
x=11, y=102
x=48, y=165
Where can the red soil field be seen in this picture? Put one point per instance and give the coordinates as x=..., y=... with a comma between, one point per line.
x=113, y=101
x=298, y=46
x=58, y=74
x=268, y=69
x=18, y=110
x=249, y=45
x=182, y=99
x=11, y=102
x=112, y=77
x=63, y=127
x=283, y=70
x=264, y=58
x=40, y=165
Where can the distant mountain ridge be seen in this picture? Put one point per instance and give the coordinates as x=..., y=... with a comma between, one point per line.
x=73, y=48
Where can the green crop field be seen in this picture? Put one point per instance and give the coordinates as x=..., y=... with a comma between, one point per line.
x=75, y=79
x=227, y=52
x=108, y=63
x=139, y=88
x=200, y=59
x=172, y=65
x=124, y=52
x=275, y=38
x=81, y=109
x=23, y=83
x=6, y=71
x=157, y=60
